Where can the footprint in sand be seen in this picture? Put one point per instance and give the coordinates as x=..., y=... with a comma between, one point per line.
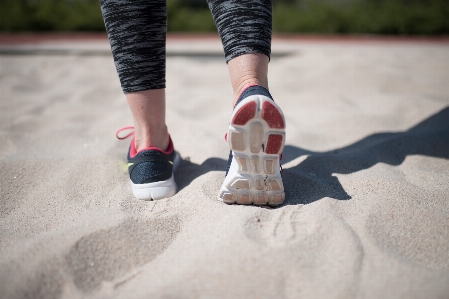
x=315, y=240
x=298, y=224
x=278, y=228
x=109, y=254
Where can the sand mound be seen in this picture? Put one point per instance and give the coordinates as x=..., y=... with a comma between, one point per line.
x=366, y=172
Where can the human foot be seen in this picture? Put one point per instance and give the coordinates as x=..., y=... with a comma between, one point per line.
x=256, y=138
x=151, y=170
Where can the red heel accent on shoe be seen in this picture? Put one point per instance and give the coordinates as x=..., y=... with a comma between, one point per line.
x=274, y=144
x=272, y=116
x=245, y=113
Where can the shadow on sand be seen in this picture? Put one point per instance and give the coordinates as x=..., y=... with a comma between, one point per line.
x=313, y=178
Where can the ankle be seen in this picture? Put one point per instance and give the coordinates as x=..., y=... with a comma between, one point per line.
x=241, y=87
x=252, y=89
x=151, y=137
x=248, y=69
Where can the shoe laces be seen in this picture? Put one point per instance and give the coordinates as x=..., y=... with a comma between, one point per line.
x=280, y=156
x=128, y=128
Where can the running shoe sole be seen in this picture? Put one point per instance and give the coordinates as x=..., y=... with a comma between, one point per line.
x=256, y=137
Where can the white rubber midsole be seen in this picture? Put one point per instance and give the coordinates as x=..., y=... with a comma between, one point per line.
x=254, y=175
x=157, y=190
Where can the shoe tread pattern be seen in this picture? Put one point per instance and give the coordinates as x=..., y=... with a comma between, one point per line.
x=256, y=137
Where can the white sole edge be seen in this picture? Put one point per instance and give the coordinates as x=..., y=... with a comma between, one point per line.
x=157, y=190
x=254, y=176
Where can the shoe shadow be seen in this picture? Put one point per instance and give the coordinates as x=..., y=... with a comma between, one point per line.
x=188, y=171
x=313, y=178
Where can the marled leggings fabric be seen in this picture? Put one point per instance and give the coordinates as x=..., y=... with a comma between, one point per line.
x=137, y=31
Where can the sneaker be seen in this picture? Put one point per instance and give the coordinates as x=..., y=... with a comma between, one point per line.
x=256, y=137
x=151, y=170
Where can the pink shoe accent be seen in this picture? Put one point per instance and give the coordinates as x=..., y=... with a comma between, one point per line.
x=272, y=116
x=124, y=129
x=274, y=144
x=133, y=152
x=245, y=113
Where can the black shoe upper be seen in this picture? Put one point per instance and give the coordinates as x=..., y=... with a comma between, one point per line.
x=150, y=166
x=253, y=90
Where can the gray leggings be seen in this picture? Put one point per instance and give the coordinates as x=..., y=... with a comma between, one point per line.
x=137, y=31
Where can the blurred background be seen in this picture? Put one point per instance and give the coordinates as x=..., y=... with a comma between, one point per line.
x=400, y=17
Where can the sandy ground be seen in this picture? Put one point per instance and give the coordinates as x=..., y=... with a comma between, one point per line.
x=366, y=172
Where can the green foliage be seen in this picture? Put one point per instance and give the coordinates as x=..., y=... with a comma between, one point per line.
x=294, y=16
x=190, y=17
x=50, y=15
x=370, y=16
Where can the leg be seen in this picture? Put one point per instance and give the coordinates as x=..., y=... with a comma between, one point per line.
x=256, y=132
x=246, y=70
x=148, y=109
x=245, y=30
x=137, y=32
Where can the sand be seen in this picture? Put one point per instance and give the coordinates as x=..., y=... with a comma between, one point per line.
x=366, y=173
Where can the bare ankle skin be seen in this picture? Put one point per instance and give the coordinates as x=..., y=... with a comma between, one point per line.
x=246, y=70
x=148, y=110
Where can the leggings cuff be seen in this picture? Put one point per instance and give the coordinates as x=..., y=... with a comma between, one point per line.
x=247, y=51
x=141, y=88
